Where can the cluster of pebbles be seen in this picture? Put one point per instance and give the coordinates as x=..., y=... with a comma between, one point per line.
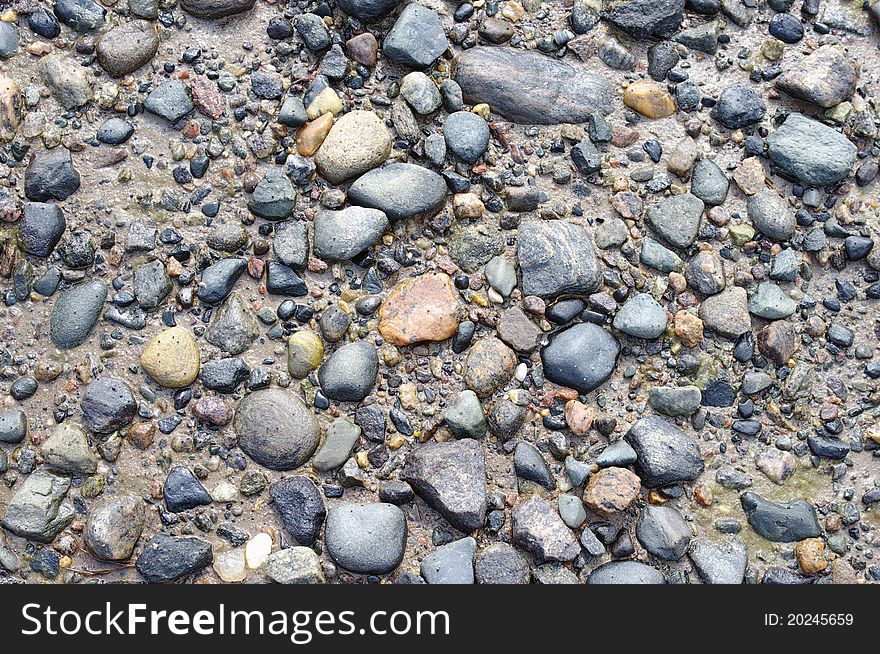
x=493, y=291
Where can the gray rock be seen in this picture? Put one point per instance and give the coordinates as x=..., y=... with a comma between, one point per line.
x=290, y=243
x=115, y=131
x=339, y=440
x=38, y=510
x=571, y=510
x=451, y=478
x=219, y=278
x=151, y=284
x=619, y=454
x=340, y=235
x=276, y=429
x=771, y=215
x=825, y=77
x=216, y=8
x=182, y=491
x=80, y=15
x=234, y=326
x=67, y=450
x=641, y=317
x=50, y=175
x=367, y=11
x=170, y=100
x=771, y=302
x=755, y=382
x=810, y=152
x=781, y=522
x=666, y=455
x=312, y=31
x=739, y=106
x=401, y=190
x=719, y=562
x=9, y=39
x=114, y=526
x=520, y=333
x=169, y=558
x=626, y=572
x=417, y=38
x=421, y=93
x=501, y=275
x=675, y=401
x=292, y=112
x=125, y=48
x=75, y=313
x=350, y=372
x=466, y=134
x=644, y=18
x=366, y=538
x=531, y=466
x=529, y=87
x=452, y=563
x=301, y=507
x=659, y=257
x=727, y=313
x=676, y=219
x=41, y=228
x=471, y=245
x=501, y=563
x=13, y=426
x=274, y=196
x=557, y=257
x=709, y=183
x=538, y=529
x=582, y=356
x=295, y=565
x=663, y=532
x=465, y=417
x=107, y=405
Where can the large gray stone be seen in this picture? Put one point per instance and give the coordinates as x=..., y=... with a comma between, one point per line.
x=666, y=455
x=276, y=429
x=557, y=257
x=810, y=152
x=366, y=538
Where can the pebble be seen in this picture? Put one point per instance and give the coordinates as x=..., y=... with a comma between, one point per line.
x=75, y=313
x=719, y=562
x=170, y=100
x=467, y=135
x=172, y=358
x=168, y=558
x=663, y=532
x=499, y=563
x=416, y=39
x=626, y=572
x=666, y=455
x=276, y=429
x=295, y=565
x=582, y=356
x=557, y=257
x=538, y=529
x=342, y=235
x=126, y=48
x=641, y=317
x=357, y=143
x=366, y=538
x=452, y=563
x=812, y=153
x=780, y=522
x=401, y=190
x=301, y=507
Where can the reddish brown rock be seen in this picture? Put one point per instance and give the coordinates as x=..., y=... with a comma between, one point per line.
x=363, y=48
x=578, y=417
x=141, y=434
x=213, y=410
x=207, y=98
x=611, y=490
x=419, y=309
x=688, y=328
x=811, y=555
x=778, y=341
x=489, y=365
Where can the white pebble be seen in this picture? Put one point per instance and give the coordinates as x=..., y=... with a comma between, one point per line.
x=230, y=566
x=521, y=371
x=258, y=550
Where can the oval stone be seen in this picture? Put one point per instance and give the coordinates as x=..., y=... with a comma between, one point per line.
x=276, y=429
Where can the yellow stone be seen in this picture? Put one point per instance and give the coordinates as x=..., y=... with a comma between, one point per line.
x=419, y=309
x=467, y=206
x=811, y=555
x=10, y=108
x=649, y=99
x=304, y=352
x=311, y=135
x=325, y=102
x=172, y=358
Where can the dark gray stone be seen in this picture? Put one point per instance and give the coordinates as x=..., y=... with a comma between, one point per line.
x=666, y=455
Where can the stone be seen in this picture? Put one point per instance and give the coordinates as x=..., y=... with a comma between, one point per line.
x=274, y=196
x=618, y=454
x=357, y=143
x=500, y=563
x=490, y=364
x=515, y=329
x=416, y=39
x=611, y=490
x=649, y=99
x=169, y=558
x=418, y=309
x=182, y=491
x=41, y=228
x=705, y=273
x=367, y=11
x=151, y=284
x=67, y=450
x=719, y=562
x=291, y=243
x=401, y=190
x=676, y=219
x=114, y=526
x=582, y=356
x=339, y=440
x=69, y=82
x=530, y=87
x=771, y=215
x=13, y=426
x=312, y=31
x=663, y=532
x=301, y=507
x=825, y=77
x=626, y=572
x=292, y=112
x=780, y=522
x=659, y=257
x=50, y=175
x=810, y=152
x=276, y=429
x=366, y=538
x=234, y=326
x=776, y=464
x=771, y=303
x=531, y=466
x=342, y=235
x=115, y=131
x=739, y=106
x=727, y=313
x=644, y=18
x=555, y=258
x=304, y=353
x=38, y=510
x=172, y=358
x=688, y=328
x=219, y=278
x=675, y=401
x=126, y=48
x=9, y=39
x=571, y=510
x=350, y=372
x=231, y=566
x=709, y=183
x=473, y=244
x=810, y=554
x=641, y=317
x=538, y=529
x=75, y=313
x=466, y=134
x=107, y=405
x=501, y=275
x=295, y=565
x=452, y=563
x=451, y=478
x=311, y=136
x=666, y=455
x=170, y=100
x=224, y=375
x=420, y=93
x=216, y=8
x=465, y=417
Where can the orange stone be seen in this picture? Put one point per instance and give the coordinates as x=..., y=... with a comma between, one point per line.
x=649, y=99
x=418, y=309
x=811, y=555
x=688, y=328
x=311, y=135
x=578, y=417
x=611, y=490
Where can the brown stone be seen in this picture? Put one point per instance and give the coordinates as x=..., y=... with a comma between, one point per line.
x=811, y=555
x=688, y=329
x=490, y=364
x=418, y=309
x=141, y=434
x=311, y=135
x=207, y=98
x=649, y=99
x=776, y=464
x=578, y=417
x=515, y=329
x=213, y=410
x=778, y=342
x=611, y=490
x=10, y=108
x=363, y=48
x=627, y=204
